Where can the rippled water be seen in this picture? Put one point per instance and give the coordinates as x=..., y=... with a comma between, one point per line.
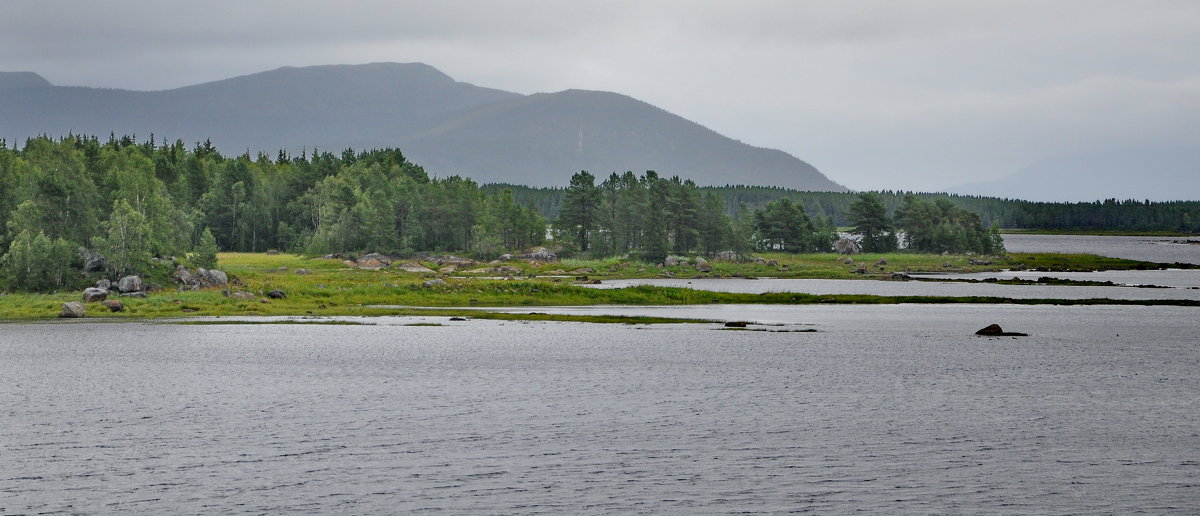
x=885, y=409
x=1150, y=249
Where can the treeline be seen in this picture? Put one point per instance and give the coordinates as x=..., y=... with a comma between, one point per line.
x=1101, y=215
x=651, y=216
x=137, y=203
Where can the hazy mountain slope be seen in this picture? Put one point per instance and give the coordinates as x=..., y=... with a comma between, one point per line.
x=449, y=127
x=543, y=138
x=329, y=106
x=14, y=80
x=1169, y=174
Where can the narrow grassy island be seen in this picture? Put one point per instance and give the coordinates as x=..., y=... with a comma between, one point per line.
x=285, y=284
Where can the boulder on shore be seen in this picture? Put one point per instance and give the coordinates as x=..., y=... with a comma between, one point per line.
x=373, y=261
x=130, y=284
x=847, y=245
x=540, y=254
x=702, y=265
x=94, y=295
x=73, y=310
x=211, y=278
x=415, y=267
x=92, y=260
x=673, y=261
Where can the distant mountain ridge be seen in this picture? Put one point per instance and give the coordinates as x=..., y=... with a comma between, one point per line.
x=447, y=126
x=1156, y=174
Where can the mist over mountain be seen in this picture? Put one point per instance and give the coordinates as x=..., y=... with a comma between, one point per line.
x=449, y=127
x=1157, y=174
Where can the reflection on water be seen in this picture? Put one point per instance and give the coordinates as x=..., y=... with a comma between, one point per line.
x=928, y=288
x=1176, y=278
x=1145, y=248
x=885, y=409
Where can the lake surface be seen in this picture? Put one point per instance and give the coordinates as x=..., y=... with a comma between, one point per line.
x=1183, y=279
x=884, y=409
x=1145, y=248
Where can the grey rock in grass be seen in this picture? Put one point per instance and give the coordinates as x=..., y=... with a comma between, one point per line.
x=94, y=295
x=211, y=278
x=73, y=310
x=373, y=261
x=847, y=245
x=702, y=265
x=92, y=260
x=130, y=284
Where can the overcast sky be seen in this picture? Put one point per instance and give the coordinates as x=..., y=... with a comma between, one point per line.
x=876, y=94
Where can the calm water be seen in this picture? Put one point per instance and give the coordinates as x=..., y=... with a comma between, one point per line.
x=885, y=409
x=1186, y=279
x=1150, y=249
x=1183, y=279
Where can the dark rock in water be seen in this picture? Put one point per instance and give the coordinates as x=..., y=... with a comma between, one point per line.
x=736, y=324
x=73, y=310
x=994, y=330
x=114, y=305
x=276, y=294
x=458, y=318
x=130, y=284
x=93, y=294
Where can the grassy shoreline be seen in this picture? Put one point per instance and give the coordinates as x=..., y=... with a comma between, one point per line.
x=333, y=288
